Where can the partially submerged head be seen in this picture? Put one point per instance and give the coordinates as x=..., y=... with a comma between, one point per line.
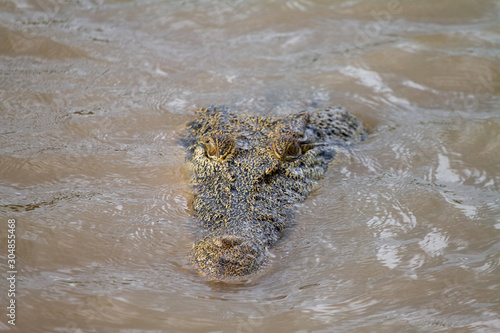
x=247, y=172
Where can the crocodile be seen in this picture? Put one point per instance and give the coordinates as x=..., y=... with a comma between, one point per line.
x=247, y=172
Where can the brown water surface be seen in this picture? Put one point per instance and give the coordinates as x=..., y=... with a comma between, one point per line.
x=402, y=235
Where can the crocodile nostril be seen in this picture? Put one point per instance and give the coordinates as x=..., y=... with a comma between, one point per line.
x=228, y=241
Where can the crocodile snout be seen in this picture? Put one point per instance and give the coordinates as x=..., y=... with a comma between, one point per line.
x=228, y=257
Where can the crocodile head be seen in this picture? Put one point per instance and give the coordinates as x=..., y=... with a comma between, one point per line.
x=247, y=172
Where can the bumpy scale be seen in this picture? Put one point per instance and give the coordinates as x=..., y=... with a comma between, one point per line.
x=247, y=172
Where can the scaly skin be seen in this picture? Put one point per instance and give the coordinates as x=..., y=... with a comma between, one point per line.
x=247, y=172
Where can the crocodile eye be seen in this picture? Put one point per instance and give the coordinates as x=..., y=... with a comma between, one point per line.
x=218, y=146
x=210, y=146
x=286, y=148
x=293, y=149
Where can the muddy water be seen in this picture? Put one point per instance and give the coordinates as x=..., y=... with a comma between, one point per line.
x=402, y=235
